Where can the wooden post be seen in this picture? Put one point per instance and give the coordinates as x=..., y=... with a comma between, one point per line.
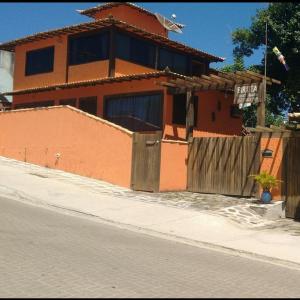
x=189, y=114
x=112, y=53
x=261, y=106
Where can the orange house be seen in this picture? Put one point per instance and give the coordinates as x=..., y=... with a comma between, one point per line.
x=112, y=67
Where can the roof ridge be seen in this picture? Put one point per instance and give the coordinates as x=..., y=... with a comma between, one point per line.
x=109, y=21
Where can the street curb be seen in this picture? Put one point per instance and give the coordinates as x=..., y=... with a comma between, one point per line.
x=168, y=236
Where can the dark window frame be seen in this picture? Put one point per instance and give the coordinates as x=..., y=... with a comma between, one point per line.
x=131, y=38
x=196, y=106
x=106, y=98
x=35, y=51
x=35, y=104
x=173, y=53
x=68, y=101
x=95, y=32
x=87, y=99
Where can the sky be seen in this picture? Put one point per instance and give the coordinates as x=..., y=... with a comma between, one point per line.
x=208, y=25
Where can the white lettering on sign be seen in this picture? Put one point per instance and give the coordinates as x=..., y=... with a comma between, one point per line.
x=246, y=93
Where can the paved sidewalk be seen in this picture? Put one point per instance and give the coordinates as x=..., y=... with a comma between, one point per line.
x=181, y=216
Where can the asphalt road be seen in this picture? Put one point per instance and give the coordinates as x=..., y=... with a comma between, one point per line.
x=45, y=253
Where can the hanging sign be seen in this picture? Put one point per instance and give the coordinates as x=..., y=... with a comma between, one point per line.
x=246, y=93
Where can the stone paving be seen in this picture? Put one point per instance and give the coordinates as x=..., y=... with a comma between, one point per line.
x=236, y=209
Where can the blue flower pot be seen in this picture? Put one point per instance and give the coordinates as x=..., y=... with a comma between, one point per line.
x=266, y=197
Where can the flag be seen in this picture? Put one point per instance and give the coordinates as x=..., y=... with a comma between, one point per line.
x=280, y=57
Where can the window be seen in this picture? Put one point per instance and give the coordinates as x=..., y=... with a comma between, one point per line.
x=88, y=48
x=213, y=116
x=135, y=50
x=34, y=104
x=235, y=112
x=39, y=61
x=89, y=105
x=71, y=102
x=198, y=68
x=175, y=61
x=135, y=112
x=179, y=109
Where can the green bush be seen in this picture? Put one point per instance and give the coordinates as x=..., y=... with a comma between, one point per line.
x=266, y=180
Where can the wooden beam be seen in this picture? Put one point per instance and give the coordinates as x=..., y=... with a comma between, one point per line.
x=189, y=114
x=256, y=77
x=261, y=106
x=262, y=76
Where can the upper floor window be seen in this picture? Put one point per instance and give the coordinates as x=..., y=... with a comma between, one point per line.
x=176, y=62
x=198, y=68
x=135, y=50
x=88, y=48
x=39, y=61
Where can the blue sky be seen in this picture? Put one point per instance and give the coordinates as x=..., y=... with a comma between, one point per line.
x=208, y=25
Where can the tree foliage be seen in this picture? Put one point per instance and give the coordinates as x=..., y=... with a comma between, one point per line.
x=283, y=21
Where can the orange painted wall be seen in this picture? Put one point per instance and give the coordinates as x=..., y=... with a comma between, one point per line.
x=126, y=68
x=88, y=146
x=100, y=91
x=273, y=165
x=224, y=125
x=88, y=71
x=60, y=59
x=133, y=17
x=173, y=167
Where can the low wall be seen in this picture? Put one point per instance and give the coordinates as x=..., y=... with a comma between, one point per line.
x=65, y=138
x=273, y=165
x=173, y=167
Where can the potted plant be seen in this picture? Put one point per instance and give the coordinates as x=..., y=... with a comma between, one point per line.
x=266, y=181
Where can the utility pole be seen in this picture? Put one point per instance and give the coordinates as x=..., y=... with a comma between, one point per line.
x=261, y=109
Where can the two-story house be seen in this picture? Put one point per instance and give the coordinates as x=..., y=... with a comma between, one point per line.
x=112, y=66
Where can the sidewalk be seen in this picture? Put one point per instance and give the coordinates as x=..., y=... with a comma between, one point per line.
x=138, y=211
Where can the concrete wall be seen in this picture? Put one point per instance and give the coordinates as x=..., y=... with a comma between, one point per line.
x=87, y=145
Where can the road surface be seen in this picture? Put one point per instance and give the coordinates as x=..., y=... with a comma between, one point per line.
x=44, y=253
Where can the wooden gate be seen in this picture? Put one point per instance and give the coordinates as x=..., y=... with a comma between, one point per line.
x=222, y=165
x=292, y=176
x=145, y=172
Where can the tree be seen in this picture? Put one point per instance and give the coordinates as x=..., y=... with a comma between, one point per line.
x=283, y=21
x=249, y=113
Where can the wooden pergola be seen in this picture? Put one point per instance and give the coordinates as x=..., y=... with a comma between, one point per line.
x=219, y=81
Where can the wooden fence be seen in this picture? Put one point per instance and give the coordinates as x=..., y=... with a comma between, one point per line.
x=222, y=165
x=291, y=170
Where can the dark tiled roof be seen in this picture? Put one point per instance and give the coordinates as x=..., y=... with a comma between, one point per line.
x=86, y=83
x=91, y=11
x=102, y=23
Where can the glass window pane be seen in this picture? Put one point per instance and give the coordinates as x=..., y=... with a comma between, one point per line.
x=88, y=48
x=136, y=112
x=165, y=59
x=39, y=61
x=122, y=46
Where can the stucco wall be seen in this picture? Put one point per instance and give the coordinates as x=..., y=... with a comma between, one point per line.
x=134, y=17
x=273, y=165
x=173, y=167
x=87, y=145
x=224, y=125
